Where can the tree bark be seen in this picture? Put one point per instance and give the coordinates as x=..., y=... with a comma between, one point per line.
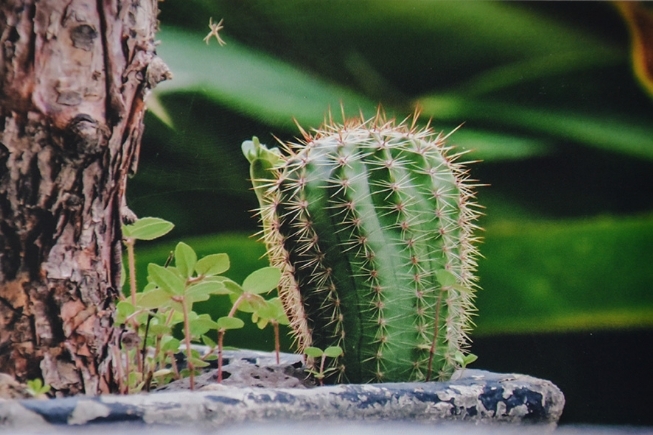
x=73, y=78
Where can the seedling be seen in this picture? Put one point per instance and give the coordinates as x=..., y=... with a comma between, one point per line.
x=37, y=388
x=272, y=313
x=316, y=352
x=464, y=360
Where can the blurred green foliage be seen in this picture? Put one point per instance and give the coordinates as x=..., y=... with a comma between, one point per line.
x=546, y=96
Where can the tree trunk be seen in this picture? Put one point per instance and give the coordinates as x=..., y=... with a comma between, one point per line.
x=73, y=78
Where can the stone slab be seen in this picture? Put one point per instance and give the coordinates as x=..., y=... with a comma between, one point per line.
x=471, y=396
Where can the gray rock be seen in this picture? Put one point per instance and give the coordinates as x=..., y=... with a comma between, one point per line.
x=261, y=391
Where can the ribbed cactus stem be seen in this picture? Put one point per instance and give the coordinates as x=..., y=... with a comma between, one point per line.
x=371, y=223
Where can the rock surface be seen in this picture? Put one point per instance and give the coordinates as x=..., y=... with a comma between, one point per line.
x=261, y=391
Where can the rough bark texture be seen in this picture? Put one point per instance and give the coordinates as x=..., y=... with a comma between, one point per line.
x=73, y=78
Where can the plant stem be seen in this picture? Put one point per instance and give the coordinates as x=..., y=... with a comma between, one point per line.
x=277, y=344
x=131, y=262
x=234, y=308
x=191, y=367
x=322, y=361
x=435, y=337
x=220, y=340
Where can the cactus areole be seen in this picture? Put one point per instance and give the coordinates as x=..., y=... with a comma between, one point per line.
x=371, y=223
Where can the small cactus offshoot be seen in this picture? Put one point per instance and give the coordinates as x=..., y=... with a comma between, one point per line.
x=371, y=223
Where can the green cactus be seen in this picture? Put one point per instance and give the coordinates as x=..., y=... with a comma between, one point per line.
x=371, y=223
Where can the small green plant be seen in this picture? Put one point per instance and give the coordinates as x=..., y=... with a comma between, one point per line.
x=147, y=346
x=37, y=388
x=464, y=360
x=320, y=355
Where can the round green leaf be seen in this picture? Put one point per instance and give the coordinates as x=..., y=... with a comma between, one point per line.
x=262, y=280
x=333, y=351
x=313, y=352
x=230, y=323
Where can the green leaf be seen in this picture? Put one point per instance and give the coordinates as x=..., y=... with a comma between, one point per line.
x=185, y=259
x=569, y=275
x=203, y=290
x=170, y=344
x=213, y=264
x=147, y=228
x=249, y=304
x=464, y=360
x=234, y=288
x=209, y=342
x=333, y=351
x=198, y=363
x=166, y=279
x=252, y=82
x=160, y=329
x=313, y=352
x=445, y=278
x=230, y=323
x=156, y=298
x=262, y=280
x=200, y=326
x=123, y=278
x=124, y=309
x=613, y=133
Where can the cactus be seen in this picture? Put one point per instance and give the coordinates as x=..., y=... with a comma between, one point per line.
x=371, y=223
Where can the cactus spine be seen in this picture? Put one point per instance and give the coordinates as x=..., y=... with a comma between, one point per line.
x=371, y=223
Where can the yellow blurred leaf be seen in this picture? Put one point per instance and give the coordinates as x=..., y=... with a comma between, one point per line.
x=639, y=18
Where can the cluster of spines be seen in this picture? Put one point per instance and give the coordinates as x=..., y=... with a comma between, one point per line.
x=359, y=217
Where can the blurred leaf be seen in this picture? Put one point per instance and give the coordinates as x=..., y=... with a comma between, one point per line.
x=124, y=309
x=639, y=18
x=170, y=344
x=251, y=82
x=155, y=107
x=610, y=133
x=201, y=326
x=490, y=146
x=565, y=276
x=198, y=363
x=209, y=342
